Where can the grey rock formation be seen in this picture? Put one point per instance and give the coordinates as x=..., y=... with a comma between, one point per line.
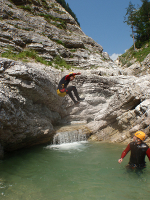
x=29, y=104
x=113, y=106
x=48, y=30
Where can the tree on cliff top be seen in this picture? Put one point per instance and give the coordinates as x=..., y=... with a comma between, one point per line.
x=68, y=9
x=139, y=20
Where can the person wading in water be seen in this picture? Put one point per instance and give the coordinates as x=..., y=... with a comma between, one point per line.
x=138, y=149
x=62, y=88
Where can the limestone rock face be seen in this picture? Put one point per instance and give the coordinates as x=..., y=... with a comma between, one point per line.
x=114, y=107
x=46, y=27
x=29, y=105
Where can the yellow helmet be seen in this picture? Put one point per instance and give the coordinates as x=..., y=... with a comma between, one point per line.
x=72, y=73
x=141, y=135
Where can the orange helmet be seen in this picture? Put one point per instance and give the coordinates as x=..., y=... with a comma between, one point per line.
x=72, y=73
x=141, y=135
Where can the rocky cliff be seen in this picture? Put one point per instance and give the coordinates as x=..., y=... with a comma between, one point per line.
x=46, y=27
x=117, y=103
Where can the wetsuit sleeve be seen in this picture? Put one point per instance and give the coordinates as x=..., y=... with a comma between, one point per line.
x=74, y=74
x=148, y=153
x=68, y=76
x=124, y=153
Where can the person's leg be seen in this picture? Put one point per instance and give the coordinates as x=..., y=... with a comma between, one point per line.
x=74, y=89
x=76, y=94
x=69, y=92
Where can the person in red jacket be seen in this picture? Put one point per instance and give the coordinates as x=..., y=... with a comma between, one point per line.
x=138, y=149
x=62, y=88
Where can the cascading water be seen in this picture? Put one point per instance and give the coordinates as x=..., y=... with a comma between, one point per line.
x=69, y=137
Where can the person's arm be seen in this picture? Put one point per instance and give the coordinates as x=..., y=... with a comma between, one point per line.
x=148, y=153
x=79, y=73
x=73, y=74
x=124, y=153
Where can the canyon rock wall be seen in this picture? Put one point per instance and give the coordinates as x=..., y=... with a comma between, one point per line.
x=30, y=109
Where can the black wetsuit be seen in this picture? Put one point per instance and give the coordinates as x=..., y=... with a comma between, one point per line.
x=62, y=86
x=138, y=153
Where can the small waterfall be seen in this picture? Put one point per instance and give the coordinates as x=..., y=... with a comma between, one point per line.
x=69, y=137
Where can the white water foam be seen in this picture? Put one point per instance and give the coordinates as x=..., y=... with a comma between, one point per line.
x=68, y=146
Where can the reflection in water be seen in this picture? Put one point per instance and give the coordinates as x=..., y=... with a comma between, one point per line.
x=82, y=170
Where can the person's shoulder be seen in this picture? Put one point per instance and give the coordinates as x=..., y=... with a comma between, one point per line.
x=132, y=143
x=67, y=77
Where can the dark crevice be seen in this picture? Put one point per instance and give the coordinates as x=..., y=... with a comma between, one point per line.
x=131, y=104
x=136, y=103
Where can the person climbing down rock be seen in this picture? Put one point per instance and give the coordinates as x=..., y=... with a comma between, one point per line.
x=62, y=89
x=138, y=149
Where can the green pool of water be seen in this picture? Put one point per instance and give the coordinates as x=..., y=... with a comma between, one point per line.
x=78, y=171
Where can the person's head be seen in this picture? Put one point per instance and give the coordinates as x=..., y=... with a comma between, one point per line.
x=139, y=136
x=72, y=77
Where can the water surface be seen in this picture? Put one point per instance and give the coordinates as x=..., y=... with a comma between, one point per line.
x=77, y=171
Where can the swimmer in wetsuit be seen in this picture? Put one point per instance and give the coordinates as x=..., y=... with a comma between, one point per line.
x=62, y=89
x=138, y=149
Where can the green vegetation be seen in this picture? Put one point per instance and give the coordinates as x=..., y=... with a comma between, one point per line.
x=60, y=42
x=24, y=55
x=138, y=54
x=48, y=18
x=10, y=5
x=139, y=20
x=44, y=3
x=59, y=62
x=141, y=53
x=68, y=9
x=29, y=54
x=73, y=50
x=27, y=8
